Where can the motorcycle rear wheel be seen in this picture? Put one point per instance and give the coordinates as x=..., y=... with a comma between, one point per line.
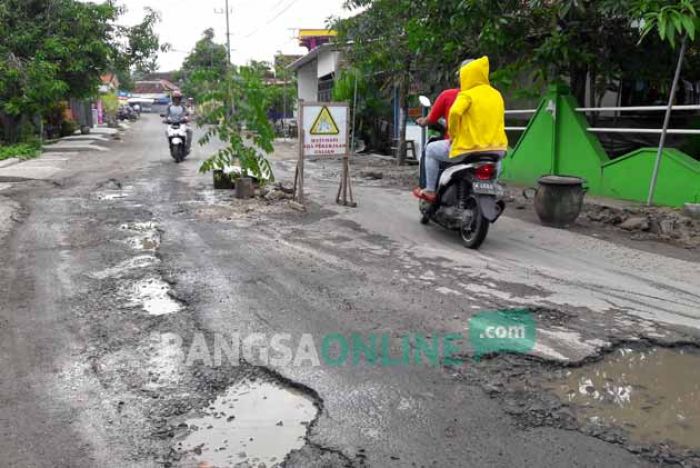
x=474, y=232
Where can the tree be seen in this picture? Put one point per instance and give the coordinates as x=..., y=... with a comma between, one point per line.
x=142, y=43
x=531, y=43
x=206, y=55
x=384, y=45
x=135, y=48
x=48, y=50
x=51, y=50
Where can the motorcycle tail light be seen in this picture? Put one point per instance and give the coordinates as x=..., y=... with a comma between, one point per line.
x=485, y=172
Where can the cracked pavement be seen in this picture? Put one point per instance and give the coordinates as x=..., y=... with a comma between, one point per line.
x=128, y=247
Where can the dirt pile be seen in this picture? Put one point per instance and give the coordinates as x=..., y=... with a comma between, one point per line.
x=275, y=192
x=647, y=223
x=662, y=224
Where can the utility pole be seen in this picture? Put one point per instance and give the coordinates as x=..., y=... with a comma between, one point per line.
x=228, y=36
x=228, y=31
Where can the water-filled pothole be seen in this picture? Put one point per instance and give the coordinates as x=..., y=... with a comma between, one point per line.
x=256, y=422
x=148, y=237
x=652, y=394
x=115, y=193
x=154, y=296
x=127, y=266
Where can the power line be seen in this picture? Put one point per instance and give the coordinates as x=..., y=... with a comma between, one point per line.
x=278, y=3
x=271, y=20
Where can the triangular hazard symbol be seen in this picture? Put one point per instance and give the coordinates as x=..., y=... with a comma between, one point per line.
x=324, y=124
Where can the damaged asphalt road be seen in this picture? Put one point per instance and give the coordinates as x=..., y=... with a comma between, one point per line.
x=117, y=284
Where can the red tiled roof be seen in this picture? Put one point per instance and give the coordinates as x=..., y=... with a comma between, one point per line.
x=154, y=87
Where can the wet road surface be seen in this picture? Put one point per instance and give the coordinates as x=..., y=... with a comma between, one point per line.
x=117, y=284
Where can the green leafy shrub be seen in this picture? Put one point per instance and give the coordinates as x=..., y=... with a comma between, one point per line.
x=68, y=127
x=243, y=125
x=27, y=150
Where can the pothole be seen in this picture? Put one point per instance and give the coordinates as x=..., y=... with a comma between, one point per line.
x=148, y=242
x=138, y=262
x=140, y=226
x=254, y=422
x=148, y=237
x=165, y=361
x=153, y=295
x=652, y=394
x=113, y=194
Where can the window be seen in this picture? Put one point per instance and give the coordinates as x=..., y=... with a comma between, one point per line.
x=325, y=88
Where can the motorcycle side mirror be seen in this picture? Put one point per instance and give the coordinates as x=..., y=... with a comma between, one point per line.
x=424, y=101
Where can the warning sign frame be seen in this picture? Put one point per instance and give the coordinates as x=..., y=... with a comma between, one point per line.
x=330, y=144
x=324, y=144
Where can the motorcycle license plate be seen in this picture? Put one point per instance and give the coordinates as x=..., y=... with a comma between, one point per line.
x=487, y=188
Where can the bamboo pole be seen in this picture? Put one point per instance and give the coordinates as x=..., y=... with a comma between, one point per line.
x=667, y=120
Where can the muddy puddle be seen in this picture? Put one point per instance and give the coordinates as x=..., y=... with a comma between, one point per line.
x=253, y=423
x=652, y=394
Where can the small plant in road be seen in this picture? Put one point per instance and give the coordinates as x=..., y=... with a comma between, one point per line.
x=237, y=110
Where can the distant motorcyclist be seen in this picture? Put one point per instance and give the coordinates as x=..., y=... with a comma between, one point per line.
x=177, y=112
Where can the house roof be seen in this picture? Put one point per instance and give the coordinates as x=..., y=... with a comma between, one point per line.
x=154, y=87
x=155, y=76
x=297, y=64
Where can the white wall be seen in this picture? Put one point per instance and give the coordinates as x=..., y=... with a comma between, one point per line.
x=327, y=62
x=307, y=82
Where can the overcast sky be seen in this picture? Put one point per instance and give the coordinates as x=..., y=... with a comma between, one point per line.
x=259, y=28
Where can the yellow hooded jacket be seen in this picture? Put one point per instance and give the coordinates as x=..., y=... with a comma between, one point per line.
x=477, y=117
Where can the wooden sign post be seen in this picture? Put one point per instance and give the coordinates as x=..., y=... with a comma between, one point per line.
x=324, y=131
x=299, y=172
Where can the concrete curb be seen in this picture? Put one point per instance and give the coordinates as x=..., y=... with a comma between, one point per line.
x=88, y=138
x=22, y=173
x=73, y=146
x=103, y=131
x=9, y=162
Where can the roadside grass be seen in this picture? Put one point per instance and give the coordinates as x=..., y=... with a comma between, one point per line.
x=27, y=150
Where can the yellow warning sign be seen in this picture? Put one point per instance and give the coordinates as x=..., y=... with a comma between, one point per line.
x=324, y=124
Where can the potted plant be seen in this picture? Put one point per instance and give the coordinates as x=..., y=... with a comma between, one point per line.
x=238, y=106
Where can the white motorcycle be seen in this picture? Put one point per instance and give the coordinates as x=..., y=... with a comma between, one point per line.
x=469, y=198
x=177, y=137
